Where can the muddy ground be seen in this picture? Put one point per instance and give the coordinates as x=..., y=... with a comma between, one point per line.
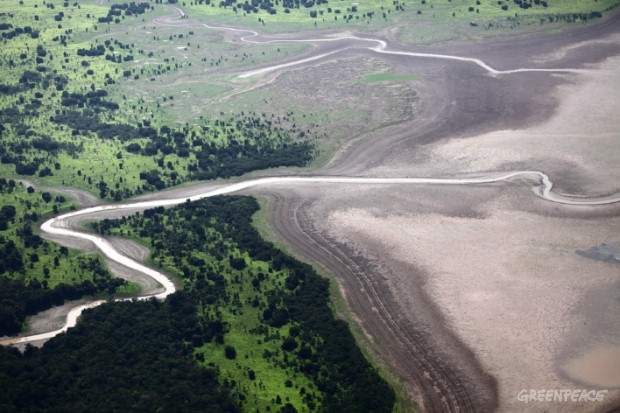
x=473, y=294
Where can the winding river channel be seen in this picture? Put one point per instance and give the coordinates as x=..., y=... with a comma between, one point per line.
x=380, y=47
x=444, y=385
x=58, y=226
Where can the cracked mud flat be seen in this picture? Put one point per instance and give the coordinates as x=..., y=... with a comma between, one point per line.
x=507, y=282
x=484, y=283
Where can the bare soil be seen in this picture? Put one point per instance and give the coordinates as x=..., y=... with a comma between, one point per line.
x=472, y=294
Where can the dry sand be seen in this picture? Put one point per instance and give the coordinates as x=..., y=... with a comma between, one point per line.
x=583, y=136
x=507, y=278
x=599, y=367
x=507, y=283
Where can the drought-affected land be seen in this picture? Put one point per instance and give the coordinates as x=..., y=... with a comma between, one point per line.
x=461, y=295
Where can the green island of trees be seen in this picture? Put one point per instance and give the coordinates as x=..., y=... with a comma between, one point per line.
x=266, y=317
x=251, y=330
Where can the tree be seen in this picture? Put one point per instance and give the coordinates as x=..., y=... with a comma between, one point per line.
x=288, y=408
x=230, y=352
x=289, y=344
x=103, y=189
x=7, y=211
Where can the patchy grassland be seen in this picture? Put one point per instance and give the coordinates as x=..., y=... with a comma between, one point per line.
x=42, y=260
x=423, y=21
x=125, y=105
x=90, y=103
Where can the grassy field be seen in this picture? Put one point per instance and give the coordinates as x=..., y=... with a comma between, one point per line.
x=270, y=378
x=43, y=261
x=47, y=262
x=419, y=22
x=77, y=91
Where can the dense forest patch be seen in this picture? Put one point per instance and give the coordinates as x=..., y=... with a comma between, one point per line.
x=268, y=323
x=121, y=357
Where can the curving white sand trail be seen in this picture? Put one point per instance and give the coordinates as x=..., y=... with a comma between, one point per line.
x=55, y=225
x=381, y=47
x=72, y=318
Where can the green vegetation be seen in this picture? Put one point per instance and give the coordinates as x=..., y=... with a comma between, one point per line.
x=267, y=322
x=421, y=21
x=64, y=119
x=89, y=95
x=121, y=357
x=403, y=401
x=36, y=274
x=63, y=122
